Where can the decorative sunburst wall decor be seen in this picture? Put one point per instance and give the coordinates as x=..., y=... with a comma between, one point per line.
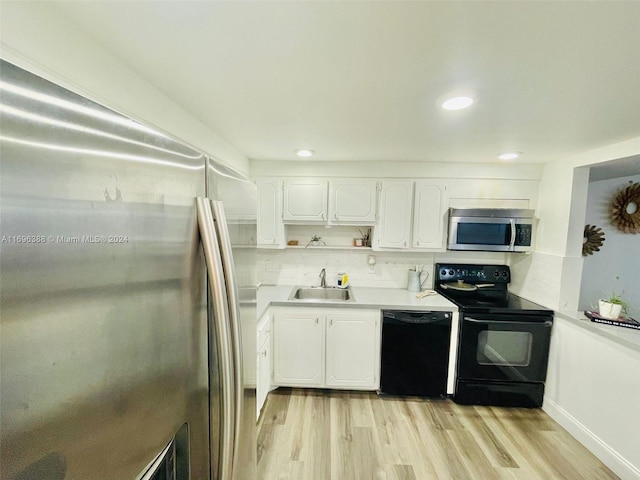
x=592, y=241
x=625, y=209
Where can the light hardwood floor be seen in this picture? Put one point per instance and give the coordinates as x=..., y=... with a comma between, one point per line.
x=334, y=435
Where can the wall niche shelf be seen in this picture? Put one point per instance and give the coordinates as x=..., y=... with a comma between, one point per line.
x=339, y=237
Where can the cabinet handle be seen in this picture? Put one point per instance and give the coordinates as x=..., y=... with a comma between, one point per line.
x=316, y=321
x=331, y=322
x=335, y=216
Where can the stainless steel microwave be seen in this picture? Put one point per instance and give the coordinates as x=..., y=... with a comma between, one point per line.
x=490, y=229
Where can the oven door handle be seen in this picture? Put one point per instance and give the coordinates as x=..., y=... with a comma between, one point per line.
x=548, y=323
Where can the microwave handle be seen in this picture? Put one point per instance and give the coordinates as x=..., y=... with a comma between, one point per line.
x=512, y=242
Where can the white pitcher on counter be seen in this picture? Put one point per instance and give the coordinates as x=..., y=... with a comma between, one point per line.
x=415, y=281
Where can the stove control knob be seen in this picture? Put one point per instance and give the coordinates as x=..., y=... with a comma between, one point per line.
x=504, y=274
x=496, y=274
x=443, y=272
x=451, y=272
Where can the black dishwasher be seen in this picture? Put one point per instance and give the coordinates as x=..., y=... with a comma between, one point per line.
x=415, y=353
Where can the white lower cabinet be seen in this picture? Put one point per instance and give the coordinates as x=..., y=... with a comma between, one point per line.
x=263, y=361
x=353, y=349
x=298, y=348
x=335, y=348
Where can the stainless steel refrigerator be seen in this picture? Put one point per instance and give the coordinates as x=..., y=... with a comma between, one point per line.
x=122, y=292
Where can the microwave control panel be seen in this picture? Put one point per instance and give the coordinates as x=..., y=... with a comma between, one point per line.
x=523, y=235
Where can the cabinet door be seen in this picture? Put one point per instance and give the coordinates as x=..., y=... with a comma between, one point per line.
x=249, y=344
x=305, y=200
x=353, y=350
x=429, y=214
x=352, y=201
x=394, y=227
x=263, y=362
x=263, y=374
x=270, y=226
x=298, y=349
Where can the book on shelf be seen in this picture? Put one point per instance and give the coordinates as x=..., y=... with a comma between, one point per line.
x=626, y=322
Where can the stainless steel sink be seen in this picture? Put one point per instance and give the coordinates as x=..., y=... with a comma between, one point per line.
x=322, y=294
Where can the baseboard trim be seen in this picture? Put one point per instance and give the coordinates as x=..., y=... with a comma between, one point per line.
x=612, y=459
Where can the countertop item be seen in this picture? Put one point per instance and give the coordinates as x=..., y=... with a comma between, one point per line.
x=366, y=297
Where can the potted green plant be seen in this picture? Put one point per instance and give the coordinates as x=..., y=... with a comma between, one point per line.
x=316, y=241
x=612, y=307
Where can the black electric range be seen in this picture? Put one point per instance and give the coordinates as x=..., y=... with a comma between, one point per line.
x=503, y=343
x=483, y=288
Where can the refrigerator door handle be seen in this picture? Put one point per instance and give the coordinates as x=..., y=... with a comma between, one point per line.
x=221, y=324
x=233, y=301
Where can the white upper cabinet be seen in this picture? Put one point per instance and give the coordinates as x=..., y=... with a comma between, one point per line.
x=305, y=200
x=270, y=231
x=429, y=211
x=412, y=215
x=394, y=226
x=352, y=201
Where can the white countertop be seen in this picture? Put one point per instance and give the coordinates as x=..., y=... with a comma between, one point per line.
x=628, y=337
x=401, y=299
x=365, y=297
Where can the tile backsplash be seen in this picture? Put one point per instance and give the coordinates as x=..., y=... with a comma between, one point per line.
x=301, y=266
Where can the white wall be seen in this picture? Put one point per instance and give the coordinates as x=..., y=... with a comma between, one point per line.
x=34, y=36
x=552, y=276
x=396, y=169
x=618, y=257
x=592, y=390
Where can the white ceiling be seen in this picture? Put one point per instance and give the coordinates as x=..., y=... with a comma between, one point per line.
x=360, y=80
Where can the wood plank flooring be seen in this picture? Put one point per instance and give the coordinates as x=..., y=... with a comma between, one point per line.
x=339, y=435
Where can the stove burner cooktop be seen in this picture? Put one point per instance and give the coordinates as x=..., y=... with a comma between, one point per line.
x=492, y=297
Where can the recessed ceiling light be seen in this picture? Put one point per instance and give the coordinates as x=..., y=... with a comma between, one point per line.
x=457, y=103
x=509, y=155
x=303, y=152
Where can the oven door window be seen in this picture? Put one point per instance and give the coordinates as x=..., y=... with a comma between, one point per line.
x=504, y=348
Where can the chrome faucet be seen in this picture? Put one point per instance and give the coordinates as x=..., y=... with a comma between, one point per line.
x=323, y=279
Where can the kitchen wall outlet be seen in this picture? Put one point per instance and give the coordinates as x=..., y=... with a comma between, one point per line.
x=272, y=267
